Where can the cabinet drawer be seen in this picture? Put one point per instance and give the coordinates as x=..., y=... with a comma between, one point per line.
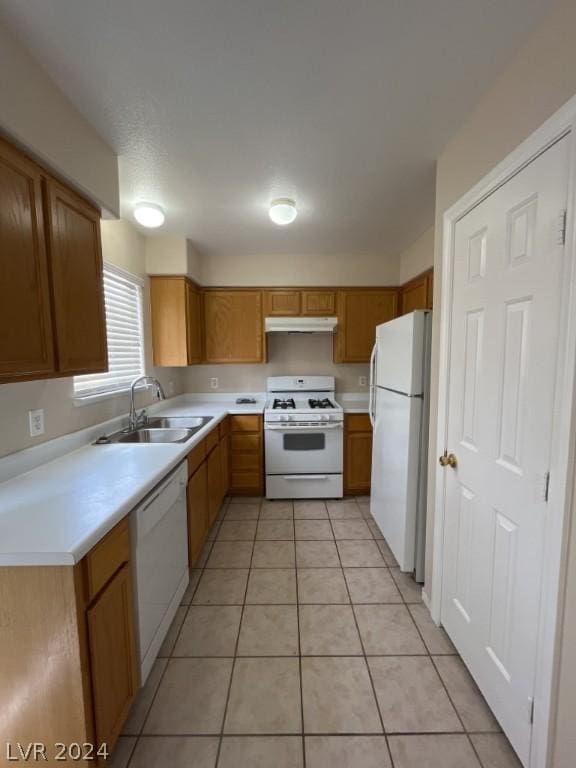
x=102, y=562
x=196, y=457
x=246, y=442
x=211, y=440
x=245, y=423
x=224, y=427
x=358, y=422
x=246, y=462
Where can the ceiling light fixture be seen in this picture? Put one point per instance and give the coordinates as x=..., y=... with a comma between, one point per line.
x=149, y=215
x=283, y=211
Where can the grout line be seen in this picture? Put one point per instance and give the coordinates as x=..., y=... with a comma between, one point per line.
x=362, y=645
x=225, y=713
x=299, y=650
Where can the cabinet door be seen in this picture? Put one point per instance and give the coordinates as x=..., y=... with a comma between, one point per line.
x=194, y=323
x=225, y=465
x=322, y=303
x=168, y=304
x=75, y=255
x=233, y=326
x=197, y=512
x=415, y=294
x=282, y=303
x=359, y=312
x=214, y=467
x=112, y=656
x=358, y=462
x=26, y=347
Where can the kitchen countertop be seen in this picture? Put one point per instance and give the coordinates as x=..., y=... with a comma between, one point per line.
x=352, y=403
x=54, y=514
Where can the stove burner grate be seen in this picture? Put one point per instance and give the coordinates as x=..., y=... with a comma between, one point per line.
x=320, y=403
x=283, y=404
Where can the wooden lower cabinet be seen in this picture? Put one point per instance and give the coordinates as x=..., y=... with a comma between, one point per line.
x=246, y=455
x=197, y=512
x=357, y=454
x=69, y=658
x=112, y=656
x=225, y=465
x=214, y=468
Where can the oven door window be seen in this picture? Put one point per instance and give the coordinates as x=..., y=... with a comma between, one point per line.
x=315, y=441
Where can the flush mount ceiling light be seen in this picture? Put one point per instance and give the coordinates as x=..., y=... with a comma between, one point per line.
x=149, y=215
x=283, y=211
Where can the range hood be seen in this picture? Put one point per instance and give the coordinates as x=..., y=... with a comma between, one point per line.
x=300, y=324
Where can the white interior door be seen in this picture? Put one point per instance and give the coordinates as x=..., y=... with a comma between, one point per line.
x=505, y=315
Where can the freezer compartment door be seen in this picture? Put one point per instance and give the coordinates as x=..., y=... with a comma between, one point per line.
x=400, y=353
x=395, y=472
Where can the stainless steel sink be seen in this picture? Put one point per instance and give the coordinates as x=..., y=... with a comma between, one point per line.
x=178, y=422
x=146, y=435
x=159, y=429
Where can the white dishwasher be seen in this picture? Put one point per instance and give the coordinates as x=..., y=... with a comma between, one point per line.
x=160, y=555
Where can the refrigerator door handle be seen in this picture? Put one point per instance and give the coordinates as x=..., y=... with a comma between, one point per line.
x=371, y=412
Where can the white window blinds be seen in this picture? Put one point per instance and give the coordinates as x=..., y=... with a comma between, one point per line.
x=125, y=333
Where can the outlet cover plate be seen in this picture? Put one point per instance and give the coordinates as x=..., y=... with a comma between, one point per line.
x=36, y=422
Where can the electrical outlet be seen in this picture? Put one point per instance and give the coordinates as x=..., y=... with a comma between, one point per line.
x=214, y=383
x=362, y=381
x=36, y=421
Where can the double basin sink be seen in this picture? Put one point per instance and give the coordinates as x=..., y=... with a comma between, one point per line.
x=159, y=429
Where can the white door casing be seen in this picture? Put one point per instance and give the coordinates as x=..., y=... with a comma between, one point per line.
x=507, y=288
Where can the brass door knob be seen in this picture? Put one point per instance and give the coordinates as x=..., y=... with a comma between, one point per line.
x=448, y=460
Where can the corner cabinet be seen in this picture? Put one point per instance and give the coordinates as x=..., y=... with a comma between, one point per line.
x=176, y=309
x=359, y=311
x=234, y=322
x=51, y=289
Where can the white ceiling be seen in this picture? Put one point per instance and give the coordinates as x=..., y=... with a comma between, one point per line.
x=217, y=106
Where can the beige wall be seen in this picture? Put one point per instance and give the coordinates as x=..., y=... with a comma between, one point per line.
x=123, y=246
x=38, y=115
x=538, y=81
x=288, y=355
x=418, y=257
x=300, y=270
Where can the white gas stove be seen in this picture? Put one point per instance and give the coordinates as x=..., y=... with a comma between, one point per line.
x=304, y=438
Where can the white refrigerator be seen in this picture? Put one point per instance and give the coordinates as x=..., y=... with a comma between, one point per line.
x=399, y=412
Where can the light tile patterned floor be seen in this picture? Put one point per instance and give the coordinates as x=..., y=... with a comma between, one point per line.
x=299, y=644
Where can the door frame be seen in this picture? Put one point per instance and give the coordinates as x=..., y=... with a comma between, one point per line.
x=562, y=464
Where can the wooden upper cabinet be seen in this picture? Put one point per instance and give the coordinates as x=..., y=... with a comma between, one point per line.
x=321, y=303
x=233, y=325
x=193, y=323
x=281, y=303
x=417, y=293
x=26, y=346
x=75, y=257
x=176, y=308
x=359, y=312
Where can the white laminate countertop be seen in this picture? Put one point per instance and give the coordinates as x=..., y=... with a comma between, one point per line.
x=54, y=514
x=352, y=403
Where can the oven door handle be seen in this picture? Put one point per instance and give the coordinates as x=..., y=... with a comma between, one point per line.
x=305, y=477
x=303, y=427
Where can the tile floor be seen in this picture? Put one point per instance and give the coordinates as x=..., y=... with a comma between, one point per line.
x=299, y=644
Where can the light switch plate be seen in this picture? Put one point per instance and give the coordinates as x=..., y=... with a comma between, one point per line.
x=36, y=421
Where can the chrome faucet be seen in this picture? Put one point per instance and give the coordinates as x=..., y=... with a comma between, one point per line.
x=136, y=420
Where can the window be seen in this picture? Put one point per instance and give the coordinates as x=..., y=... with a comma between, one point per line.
x=125, y=333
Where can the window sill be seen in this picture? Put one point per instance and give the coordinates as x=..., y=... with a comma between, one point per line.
x=91, y=399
